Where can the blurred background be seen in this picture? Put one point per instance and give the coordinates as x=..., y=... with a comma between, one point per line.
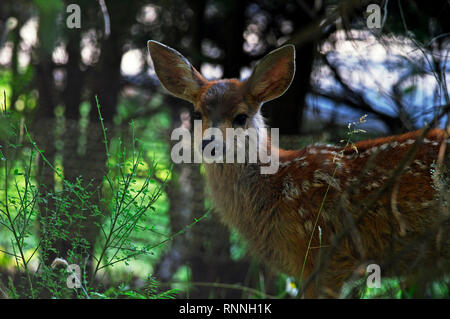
x=390, y=63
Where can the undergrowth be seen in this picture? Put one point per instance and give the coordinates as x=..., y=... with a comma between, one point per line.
x=37, y=220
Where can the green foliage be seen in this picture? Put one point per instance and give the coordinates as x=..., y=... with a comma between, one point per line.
x=148, y=291
x=238, y=246
x=129, y=203
x=29, y=212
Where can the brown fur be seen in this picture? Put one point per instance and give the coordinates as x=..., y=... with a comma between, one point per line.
x=276, y=213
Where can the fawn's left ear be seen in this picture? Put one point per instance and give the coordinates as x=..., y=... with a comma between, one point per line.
x=175, y=72
x=272, y=75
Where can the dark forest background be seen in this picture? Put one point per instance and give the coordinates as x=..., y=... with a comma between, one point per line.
x=50, y=76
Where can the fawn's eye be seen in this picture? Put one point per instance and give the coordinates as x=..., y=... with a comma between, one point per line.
x=197, y=116
x=240, y=119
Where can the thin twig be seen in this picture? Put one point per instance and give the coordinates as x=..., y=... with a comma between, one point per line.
x=105, y=18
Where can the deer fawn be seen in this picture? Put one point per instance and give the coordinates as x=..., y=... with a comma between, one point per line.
x=292, y=217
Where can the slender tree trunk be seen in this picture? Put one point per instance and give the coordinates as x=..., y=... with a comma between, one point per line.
x=186, y=201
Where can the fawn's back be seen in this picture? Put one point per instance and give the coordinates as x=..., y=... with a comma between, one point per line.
x=293, y=218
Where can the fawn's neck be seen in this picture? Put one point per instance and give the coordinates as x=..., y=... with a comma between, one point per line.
x=237, y=192
x=248, y=201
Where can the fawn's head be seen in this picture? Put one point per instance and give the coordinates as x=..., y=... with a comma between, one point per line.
x=226, y=103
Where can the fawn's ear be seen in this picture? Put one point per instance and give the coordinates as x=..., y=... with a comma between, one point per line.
x=272, y=75
x=175, y=72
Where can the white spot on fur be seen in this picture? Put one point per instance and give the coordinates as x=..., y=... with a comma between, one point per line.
x=284, y=164
x=320, y=177
x=325, y=151
x=325, y=216
x=420, y=164
x=290, y=190
x=302, y=212
x=352, y=180
x=308, y=226
x=305, y=186
x=304, y=164
x=427, y=204
x=372, y=186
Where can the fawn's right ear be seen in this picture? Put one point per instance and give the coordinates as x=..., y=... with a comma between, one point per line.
x=175, y=72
